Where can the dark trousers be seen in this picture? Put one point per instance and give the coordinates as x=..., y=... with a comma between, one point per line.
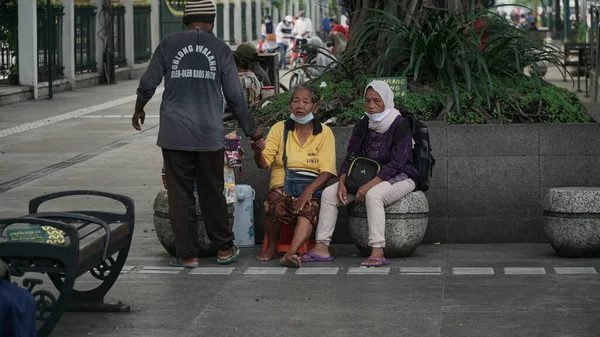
x=181, y=169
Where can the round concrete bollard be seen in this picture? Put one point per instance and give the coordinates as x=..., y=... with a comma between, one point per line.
x=162, y=225
x=572, y=221
x=405, y=225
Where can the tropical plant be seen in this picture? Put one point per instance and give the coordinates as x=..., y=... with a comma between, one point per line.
x=450, y=49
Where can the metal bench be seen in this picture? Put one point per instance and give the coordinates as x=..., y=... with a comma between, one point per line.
x=91, y=239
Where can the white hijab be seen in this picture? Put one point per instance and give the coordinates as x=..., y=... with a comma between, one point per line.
x=383, y=89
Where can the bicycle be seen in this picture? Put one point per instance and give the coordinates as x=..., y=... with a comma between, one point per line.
x=299, y=74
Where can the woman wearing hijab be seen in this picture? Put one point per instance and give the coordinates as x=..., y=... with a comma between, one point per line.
x=393, y=151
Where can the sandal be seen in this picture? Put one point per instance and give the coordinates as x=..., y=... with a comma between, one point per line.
x=177, y=263
x=235, y=253
x=379, y=262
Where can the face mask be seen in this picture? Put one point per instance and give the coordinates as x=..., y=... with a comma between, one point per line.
x=379, y=116
x=304, y=120
x=267, y=21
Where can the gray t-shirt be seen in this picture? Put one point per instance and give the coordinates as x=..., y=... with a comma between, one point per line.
x=198, y=69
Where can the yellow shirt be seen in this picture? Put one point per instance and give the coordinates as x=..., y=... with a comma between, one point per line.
x=317, y=154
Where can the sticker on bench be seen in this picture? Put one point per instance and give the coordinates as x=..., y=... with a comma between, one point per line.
x=47, y=234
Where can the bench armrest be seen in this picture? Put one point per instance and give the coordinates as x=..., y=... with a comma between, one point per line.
x=75, y=216
x=128, y=216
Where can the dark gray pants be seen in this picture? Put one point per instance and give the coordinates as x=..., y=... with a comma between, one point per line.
x=181, y=169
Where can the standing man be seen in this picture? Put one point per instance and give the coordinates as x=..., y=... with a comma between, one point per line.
x=198, y=70
x=283, y=33
x=326, y=27
x=303, y=27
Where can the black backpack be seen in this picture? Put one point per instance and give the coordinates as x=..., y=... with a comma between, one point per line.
x=421, y=154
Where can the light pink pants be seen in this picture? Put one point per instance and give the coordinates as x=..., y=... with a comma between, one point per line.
x=379, y=196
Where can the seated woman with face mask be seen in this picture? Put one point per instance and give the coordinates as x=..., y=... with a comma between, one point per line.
x=301, y=154
x=388, y=143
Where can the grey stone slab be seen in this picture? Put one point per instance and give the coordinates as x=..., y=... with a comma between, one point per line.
x=153, y=271
x=159, y=303
x=462, y=271
x=437, y=230
x=162, y=268
x=369, y=271
x=438, y=138
x=333, y=308
x=570, y=139
x=265, y=271
x=440, y=173
x=524, y=271
x=569, y=170
x=494, y=229
x=492, y=140
x=575, y=270
x=212, y=271
x=493, y=171
x=421, y=270
x=499, y=201
x=526, y=293
x=522, y=323
x=317, y=271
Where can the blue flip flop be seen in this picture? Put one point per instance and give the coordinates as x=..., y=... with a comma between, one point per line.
x=235, y=253
x=312, y=257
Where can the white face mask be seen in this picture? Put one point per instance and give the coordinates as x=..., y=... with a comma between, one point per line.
x=378, y=117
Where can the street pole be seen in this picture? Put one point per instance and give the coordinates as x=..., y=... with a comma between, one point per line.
x=48, y=43
x=566, y=20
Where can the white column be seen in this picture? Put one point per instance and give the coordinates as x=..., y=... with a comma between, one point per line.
x=289, y=8
x=27, y=37
x=296, y=7
x=259, y=17
x=275, y=15
x=307, y=9
x=100, y=35
x=68, y=36
x=129, y=51
x=216, y=26
x=237, y=16
x=227, y=34
x=155, y=23
x=248, y=20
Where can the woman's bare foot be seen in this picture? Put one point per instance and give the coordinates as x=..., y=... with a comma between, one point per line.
x=291, y=261
x=268, y=255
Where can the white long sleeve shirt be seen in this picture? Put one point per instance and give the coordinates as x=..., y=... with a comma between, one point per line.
x=283, y=33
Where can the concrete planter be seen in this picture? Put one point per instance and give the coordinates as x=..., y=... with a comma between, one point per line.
x=405, y=225
x=162, y=225
x=572, y=221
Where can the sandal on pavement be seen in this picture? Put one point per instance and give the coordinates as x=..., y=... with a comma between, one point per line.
x=379, y=262
x=177, y=263
x=312, y=257
x=235, y=253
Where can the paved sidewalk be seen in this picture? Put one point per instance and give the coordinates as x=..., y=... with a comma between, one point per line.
x=442, y=290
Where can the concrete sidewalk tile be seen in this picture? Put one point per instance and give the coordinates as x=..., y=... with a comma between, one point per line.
x=524, y=271
x=368, y=270
x=421, y=270
x=575, y=270
x=162, y=268
x=172, y=272
x=212, y=271
x=317, y=271
x=458, y=271
x=265, y=271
